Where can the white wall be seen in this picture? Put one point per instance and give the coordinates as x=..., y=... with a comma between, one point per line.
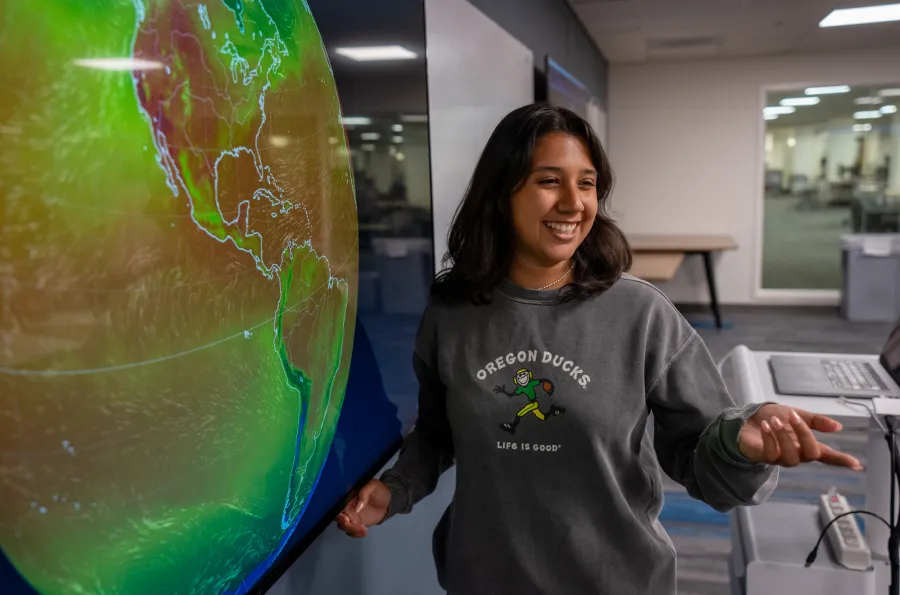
x=477, y=73
x=809, y=148
x=842, y=149
x=416, y=164
x=894, y=181
x=686, y=143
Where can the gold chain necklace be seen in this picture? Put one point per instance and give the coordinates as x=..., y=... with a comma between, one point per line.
x=566, y=274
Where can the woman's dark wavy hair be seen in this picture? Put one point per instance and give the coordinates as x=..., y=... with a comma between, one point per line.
x=481, y=240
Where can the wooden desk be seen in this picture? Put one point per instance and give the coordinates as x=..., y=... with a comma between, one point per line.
x=875, y=218
x=681, y=243
x=656, y=266
x=655, y=254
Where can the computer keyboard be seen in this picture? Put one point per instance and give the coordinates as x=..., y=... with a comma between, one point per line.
x=850, y=375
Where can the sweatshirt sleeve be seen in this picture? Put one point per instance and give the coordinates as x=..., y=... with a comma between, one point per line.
x=696, y=432
x=427, y=450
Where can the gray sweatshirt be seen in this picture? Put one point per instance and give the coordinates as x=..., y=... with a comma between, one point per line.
x=542, y=405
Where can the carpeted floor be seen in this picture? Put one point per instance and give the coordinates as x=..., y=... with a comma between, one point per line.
x=801, y=247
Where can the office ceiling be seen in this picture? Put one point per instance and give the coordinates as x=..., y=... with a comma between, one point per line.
x=635, y=31
x=381, y=87
x=834, y=108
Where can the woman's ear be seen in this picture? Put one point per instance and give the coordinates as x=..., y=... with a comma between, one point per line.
x=503, y=206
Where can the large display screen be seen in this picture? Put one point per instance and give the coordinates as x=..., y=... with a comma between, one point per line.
x=565, y=90
x=206, y=329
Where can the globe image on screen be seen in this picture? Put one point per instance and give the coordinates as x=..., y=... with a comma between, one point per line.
x=179, y=265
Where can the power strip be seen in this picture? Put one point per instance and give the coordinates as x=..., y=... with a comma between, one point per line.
x=847, y=542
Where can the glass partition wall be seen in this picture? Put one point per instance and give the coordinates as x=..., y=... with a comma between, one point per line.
x=832, y=167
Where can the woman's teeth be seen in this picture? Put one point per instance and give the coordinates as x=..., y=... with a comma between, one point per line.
x=561, y=228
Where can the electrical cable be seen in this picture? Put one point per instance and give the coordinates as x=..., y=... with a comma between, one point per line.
x=889, y=431
x=812, y=555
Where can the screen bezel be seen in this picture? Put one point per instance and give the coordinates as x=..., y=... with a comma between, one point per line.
x=892, y=343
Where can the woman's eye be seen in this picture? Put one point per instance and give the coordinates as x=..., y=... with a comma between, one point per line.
x=547, y=181
x=588, y=183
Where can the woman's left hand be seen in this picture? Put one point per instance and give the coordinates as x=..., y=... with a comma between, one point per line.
x=780, y=435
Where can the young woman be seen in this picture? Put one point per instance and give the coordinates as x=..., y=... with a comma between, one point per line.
x=539, y=361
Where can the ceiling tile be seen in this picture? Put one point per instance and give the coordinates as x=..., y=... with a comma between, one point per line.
x=624, y=47
x=885, y=35
x=766, y=13
x=573, y=2
x=623, y=28
x=610, y=17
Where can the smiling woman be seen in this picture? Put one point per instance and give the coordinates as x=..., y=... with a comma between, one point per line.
x=535, y=344
x=536, y=210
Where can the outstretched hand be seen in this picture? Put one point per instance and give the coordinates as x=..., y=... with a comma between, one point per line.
x=781, y=435
x=368, y=508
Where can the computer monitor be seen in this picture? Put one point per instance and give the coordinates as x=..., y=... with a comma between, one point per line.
x=205, y=345
x=564, y=89
x=890, y=353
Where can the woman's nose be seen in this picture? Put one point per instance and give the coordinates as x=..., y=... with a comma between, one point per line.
x=569, y=201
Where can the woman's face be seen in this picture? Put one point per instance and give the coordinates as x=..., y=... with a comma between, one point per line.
x=554, y=209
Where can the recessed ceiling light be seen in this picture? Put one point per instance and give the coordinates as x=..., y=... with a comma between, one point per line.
x=770, y=116
x=867, y=115
x=792, y=142
x=397, y=139
x=889, y=92
x=868, y=100
x=373, y=53
x=370, y=136
x=827, y=90
x=119, y=64
x=862, y=128
x=367, y=147
x=863, y=15
x=800, y=101
x=356, y=121
x=414, y=118
x=888, y=109
x=397, y=127
x=778, y=110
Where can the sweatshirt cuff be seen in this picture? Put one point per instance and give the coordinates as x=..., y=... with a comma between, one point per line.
x=400, y=498
x=730, y=425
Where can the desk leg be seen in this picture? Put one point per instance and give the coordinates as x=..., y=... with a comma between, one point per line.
x=878, y=489
x=711, y=283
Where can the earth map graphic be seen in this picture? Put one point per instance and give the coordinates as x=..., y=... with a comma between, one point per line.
x=179, y=269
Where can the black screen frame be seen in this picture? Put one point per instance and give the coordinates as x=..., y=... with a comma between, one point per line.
x=892, y=348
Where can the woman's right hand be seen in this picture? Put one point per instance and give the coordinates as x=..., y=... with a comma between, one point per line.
x=369, y=507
